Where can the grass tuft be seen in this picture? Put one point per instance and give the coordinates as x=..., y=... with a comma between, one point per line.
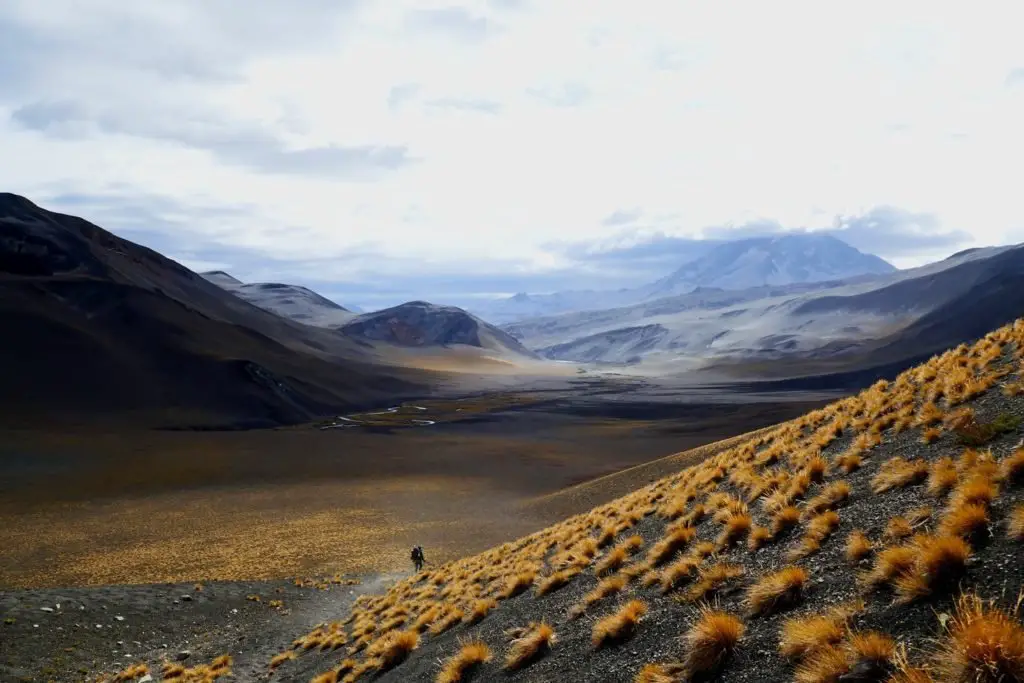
x=983, y=644
x=531, y=646
x=710, y=641
x=619, y=626
x=481, y=608
x=776, y=591
x=858, y=546
x=464, y=663
x=393, y=648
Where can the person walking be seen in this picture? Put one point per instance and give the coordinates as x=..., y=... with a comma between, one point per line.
x=417, y=558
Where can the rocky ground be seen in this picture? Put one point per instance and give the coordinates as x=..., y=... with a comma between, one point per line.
x=78, y=634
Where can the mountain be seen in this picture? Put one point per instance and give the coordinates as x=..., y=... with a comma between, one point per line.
x=827, y=326
x=290, y=301
x=97, y=328
x=761, y=261
x=734, y=265
x=422, y=324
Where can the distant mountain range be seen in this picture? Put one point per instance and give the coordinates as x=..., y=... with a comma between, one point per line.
x=99, y=330
x=864, y=320
x=736, y=265
x=415, y=324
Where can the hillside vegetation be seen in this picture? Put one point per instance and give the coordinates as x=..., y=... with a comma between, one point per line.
x=876, y=539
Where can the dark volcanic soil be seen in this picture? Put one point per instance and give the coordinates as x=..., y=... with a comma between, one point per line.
x=76, y=634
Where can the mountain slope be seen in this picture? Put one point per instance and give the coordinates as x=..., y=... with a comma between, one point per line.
x=836, y=325
x=422, y=324
x=869, y=514
x=290, y=301
x=98, y=328
x=801, y=258
x=763, y=261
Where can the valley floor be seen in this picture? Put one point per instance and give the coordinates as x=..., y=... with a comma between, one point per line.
x=135, y=518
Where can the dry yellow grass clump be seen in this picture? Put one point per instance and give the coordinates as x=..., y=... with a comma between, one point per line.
x=776, y=591
x=710, y=641
x=983, y=643
x=393, y=648
x=460, y=666
x=620, y=625
x=530, y=646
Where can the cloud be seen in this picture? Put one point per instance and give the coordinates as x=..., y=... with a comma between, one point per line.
x=466, y=104
x=1015, y=77
x=455, y=22
x=569, y=94
x=232, y=143
x=622, y=217
x=886, y=231
x=889, y=231
x=489, y=126
x=401, y=94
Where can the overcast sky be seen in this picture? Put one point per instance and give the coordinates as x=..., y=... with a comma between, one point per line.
x=390, y=150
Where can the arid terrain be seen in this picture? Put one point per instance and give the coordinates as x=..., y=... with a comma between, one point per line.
x=875, y=538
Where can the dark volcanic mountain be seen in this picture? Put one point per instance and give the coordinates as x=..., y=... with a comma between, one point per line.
x=96, y=327
x=422, y=324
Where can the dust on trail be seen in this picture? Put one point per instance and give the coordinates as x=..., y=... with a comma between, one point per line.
x=322, y=607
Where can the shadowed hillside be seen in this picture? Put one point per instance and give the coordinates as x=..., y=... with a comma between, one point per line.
x=97, y=327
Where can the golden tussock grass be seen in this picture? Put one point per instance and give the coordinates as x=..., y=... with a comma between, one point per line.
x=897, y=528
x=858, y=546
x=277, y=660
x=978, y=489
x=983, y=644
x=1015, y=523
x=710, y=641
x=829, y=498
x=132, y=672
x=669, y=545
x=452, y=617
x=326, y=677
x=785, y=519
x=712, y=579
x=899, y=472
x=678, y=573
x=460, y=666
x=969, y=521
x=660, y=673
x=818, y=530
x=480, y=609
x=802, y=636
x=776, y=591
x=612, y=561
x=553, y=582
x=393, y=648
x=733, y=529
x=518, y=583
x=931, y=564
x=1011, y=469
x=849, y=462
x=930, y=435
x=609, y=586
x=620, y=625
x=758, y=537
x=529, y=647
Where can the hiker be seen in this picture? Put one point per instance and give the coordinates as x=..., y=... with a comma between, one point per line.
x=417, y=558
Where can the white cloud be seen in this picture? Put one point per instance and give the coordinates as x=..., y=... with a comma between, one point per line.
x=458, y=133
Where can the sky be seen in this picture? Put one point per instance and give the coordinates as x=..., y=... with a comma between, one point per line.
x=409, y=149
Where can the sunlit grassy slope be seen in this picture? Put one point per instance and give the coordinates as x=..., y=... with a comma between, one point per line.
x=876, y=539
